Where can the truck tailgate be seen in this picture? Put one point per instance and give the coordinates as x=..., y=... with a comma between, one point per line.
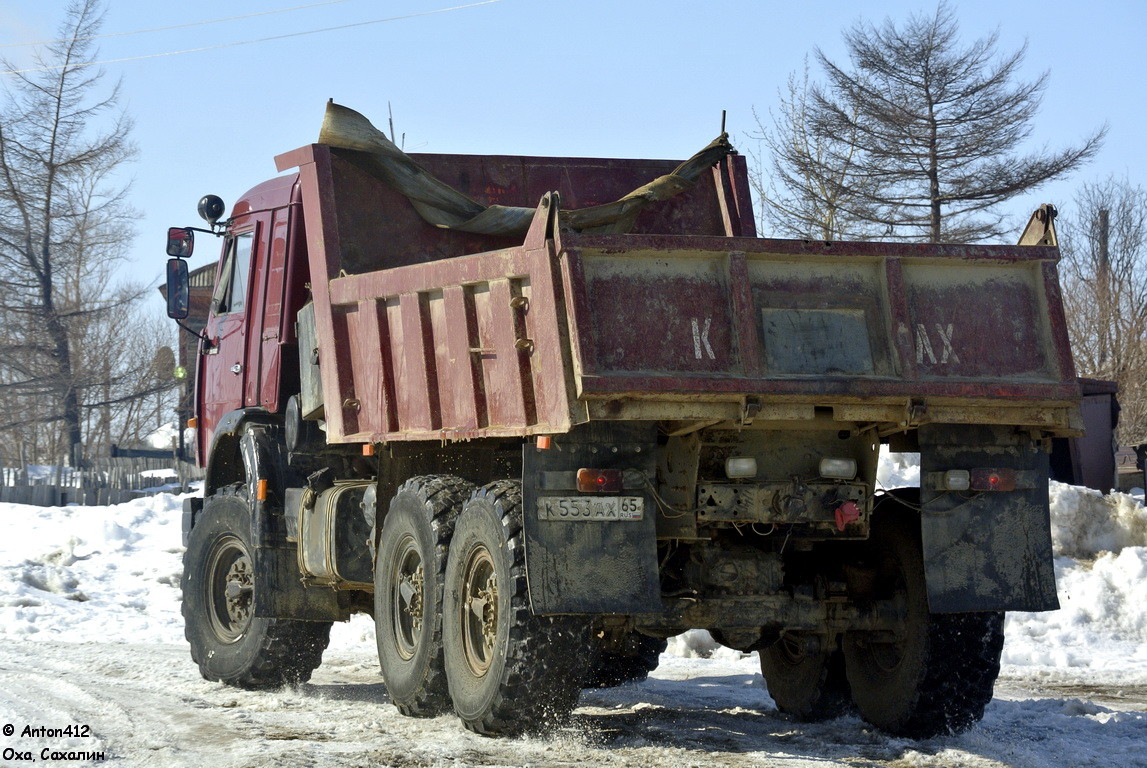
x=801, y=323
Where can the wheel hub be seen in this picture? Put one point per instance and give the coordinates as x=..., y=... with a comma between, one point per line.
x=480, y=611
x=231, y=589
x=408, y=599
x=796, y=647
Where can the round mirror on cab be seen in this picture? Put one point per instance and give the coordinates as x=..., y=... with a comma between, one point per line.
x=211, y=208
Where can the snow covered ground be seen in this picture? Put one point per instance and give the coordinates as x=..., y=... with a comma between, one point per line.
x=92, y=634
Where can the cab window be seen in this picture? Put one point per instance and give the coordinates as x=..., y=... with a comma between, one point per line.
x=231, y=293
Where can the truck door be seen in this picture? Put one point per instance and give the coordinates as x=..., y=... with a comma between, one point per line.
x=223, y=366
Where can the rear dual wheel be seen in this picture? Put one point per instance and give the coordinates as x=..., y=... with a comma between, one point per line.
x=509, y=671
x=805, y=675
x=931, y=675
x=934, y=675
x=408, y=580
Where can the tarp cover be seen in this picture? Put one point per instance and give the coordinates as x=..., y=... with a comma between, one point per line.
x=443, y=206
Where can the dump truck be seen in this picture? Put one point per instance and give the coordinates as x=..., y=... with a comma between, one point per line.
x=537, y=415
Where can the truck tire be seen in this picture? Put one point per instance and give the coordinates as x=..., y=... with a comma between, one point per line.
x=509, y=671
x=937, y=676
x=408, y=577
x=809, y=685
x=228, y=642
x=609, y=668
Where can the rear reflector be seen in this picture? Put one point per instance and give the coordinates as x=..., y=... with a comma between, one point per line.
x=599, y=480
x=982, y=479
x=993, y=479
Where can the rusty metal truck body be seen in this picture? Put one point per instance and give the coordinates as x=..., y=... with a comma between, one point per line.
x=677, y=427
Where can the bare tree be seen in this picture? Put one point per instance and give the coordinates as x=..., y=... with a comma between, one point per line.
x=807, y=183
x=928, y=132
x=64, y=224
x=1104, y=271
x=133, y=395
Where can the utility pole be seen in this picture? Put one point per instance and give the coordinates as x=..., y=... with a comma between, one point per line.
x=1107, y=313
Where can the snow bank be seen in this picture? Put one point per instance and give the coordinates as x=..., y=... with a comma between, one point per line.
x=92, y=573
x=1086, y=523
x=1101, y=624
x=1101, y=572
x=699, y=644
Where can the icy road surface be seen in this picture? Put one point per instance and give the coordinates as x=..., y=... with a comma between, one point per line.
x=90, y=634
x=147, y=706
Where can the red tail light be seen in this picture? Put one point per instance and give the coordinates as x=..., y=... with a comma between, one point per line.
x=599, y=480
x=993, y=479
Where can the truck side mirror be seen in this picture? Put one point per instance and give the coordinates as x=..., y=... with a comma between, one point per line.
x=178, y=289
x=180, y=242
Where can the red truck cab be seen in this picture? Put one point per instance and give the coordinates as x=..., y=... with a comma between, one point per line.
x=249, y=343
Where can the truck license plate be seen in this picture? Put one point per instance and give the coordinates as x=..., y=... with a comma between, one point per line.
x=589, y=508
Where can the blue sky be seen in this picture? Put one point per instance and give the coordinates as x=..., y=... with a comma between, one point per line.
x=637, y=78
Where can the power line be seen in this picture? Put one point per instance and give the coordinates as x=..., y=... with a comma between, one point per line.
x=174, y=26
x=245, y=42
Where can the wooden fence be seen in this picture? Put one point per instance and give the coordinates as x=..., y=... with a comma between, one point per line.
x=103, y=481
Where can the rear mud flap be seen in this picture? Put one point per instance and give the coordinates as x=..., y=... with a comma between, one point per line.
x=590, y=566
x=988, y=551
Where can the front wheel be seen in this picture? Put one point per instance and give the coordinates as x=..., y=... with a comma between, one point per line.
x=228, y=642
x=934, y=674
x=509, y=671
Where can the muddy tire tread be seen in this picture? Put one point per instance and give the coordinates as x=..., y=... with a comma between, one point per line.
x=946, y=690
x=287, y=651
x=813, y=694
x=442, y=497
x=546, y=656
